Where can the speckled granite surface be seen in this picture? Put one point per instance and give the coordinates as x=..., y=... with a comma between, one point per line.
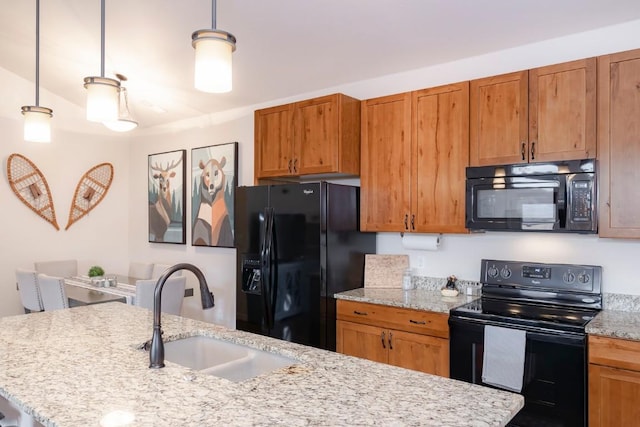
x=419, y=299
x=72, y=367
x=620, y=317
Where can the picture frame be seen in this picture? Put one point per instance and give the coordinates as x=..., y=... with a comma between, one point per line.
x=214, y=178
x=166, y=197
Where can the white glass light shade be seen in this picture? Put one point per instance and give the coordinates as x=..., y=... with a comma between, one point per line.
x=125, y=122
x=102, y=99
x=213, y=67
x=37, y=123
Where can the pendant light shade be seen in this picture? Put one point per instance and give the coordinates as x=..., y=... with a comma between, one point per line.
x=213, y=63
x=37, y=120
x=125, y=122
x=102, y=92
x=37, y=123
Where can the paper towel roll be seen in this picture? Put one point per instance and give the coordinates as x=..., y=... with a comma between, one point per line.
x=422, y=242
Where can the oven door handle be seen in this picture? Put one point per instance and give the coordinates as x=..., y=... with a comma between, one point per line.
x=533, y=333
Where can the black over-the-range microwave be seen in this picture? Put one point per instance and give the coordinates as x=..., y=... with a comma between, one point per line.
x=552, y=197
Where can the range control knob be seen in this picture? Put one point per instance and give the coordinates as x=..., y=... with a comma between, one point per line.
x=505, y=272
x=492, y=271
x=569, y=277
x=584, y=278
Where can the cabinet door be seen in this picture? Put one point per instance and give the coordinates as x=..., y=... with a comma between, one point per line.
x=419, y=352
x=367, y=342
x=499, y=120
x=562, y=111
x=385, y=181
x=613, y=396
x=273, y=142
x=441, y=146
x=619, y=145
x=316, y=136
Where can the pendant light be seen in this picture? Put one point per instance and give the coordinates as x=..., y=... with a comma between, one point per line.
x=125, y=122
x=213, y=57
x=102, y=92
x=37, y=119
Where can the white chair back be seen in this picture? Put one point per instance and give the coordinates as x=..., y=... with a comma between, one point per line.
x=29, y=291
x=158, y=269
x=172, y=294
x=140, y=270
x=65, y=268
x=52, y=292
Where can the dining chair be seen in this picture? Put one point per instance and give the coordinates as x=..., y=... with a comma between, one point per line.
x=64, y=268
x=172, y=294
x=140, y=270
x=158, y=269
x=29, y=291
x=52, y=292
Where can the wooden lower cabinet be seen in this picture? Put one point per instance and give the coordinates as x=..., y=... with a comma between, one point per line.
x=371, y=336
x=614, y=382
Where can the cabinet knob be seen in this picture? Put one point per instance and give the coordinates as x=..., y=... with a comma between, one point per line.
x=360, y=313
x=417, y=322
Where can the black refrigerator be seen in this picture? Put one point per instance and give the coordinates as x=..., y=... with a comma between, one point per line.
x=297, y=245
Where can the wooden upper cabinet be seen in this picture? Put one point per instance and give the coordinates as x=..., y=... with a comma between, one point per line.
x=562, y=111
x=273, y=141
x=316, y=136
x=441, y=154
x=619, y=144
x=543, y=114
x=385, y=181
x=499, y=119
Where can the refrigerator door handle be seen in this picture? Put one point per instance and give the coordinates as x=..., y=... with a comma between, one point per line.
x=273, y=270
x=264, y=267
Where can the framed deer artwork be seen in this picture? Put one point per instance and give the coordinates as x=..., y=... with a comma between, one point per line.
x=214, y=171
x=167, y=194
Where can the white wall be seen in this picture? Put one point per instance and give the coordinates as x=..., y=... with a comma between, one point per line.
x=99, y=238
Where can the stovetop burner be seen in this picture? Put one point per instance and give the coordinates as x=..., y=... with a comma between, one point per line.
x=550, y=296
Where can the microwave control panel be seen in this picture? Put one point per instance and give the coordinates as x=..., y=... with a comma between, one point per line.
x=581, y=202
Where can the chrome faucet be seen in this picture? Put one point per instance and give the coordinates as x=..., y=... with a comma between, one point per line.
x=156, y=354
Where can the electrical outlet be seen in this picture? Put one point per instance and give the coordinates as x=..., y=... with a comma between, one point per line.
x=420, y=262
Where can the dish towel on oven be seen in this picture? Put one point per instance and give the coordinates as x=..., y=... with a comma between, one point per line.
x=503, y=359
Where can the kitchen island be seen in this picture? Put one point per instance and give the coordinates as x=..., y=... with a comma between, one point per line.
x=80, y=366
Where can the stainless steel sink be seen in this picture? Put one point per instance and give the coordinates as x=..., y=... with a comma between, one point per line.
x=235, y=362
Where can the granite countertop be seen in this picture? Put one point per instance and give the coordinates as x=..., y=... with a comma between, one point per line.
x=616, y=324
x=418, y=299
x=74, y=367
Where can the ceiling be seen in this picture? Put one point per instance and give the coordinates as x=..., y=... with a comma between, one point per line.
x=284, y=48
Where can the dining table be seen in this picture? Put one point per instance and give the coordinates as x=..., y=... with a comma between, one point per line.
x=82, y=290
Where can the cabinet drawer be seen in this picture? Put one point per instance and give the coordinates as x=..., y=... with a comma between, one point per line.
x=403, y=319
x=615, y=352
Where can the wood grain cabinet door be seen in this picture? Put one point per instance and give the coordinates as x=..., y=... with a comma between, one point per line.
x=619, y=144
x=614, y=397
x=441, y=146
x=419, y=352
x=385, y=182
x=316, y=136
x=273, y=141
x=562, y=111
x=364, y=341
x=499, y=120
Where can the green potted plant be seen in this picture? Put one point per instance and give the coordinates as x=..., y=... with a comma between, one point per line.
x=95, y=274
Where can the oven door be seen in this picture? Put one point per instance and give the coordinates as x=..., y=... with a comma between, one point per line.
x=554, y=385
x=518, y=203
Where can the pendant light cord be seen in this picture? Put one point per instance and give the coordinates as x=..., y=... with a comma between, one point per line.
x=101, y=38
x=213, y=14
x=37, y=53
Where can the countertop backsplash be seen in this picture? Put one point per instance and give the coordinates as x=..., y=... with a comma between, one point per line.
x=437, y=283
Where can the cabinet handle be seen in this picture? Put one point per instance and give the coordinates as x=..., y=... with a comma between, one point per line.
x=289, y=165
x=360, y=313
x=382, y=339
x=417, y=322
x=523, y=151
x=390, y=345
x=413, y=222
x=533, y=150
x=406, y=221
x=295, y=166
